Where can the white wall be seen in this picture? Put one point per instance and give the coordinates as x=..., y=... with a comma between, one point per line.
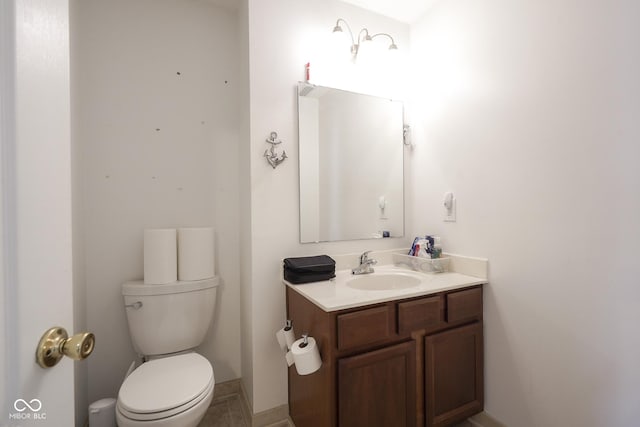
x=283, y=36
x=159, y=149
x=529, y=111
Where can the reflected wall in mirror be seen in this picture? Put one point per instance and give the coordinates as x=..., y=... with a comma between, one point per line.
x=351, y=165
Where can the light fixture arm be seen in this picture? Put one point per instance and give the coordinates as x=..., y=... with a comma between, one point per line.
x=393, y=43
x=363, y=36
x=354, y=46
x=366, y=36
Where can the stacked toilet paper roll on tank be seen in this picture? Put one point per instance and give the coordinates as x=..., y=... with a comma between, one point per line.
x=196, y=253
x=184, y=254
x=160, y=255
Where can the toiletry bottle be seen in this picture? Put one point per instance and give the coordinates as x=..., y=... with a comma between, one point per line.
x=413, y=251
x=437, y=247
x=430, y=242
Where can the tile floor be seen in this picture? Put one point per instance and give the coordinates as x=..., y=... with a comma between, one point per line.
x=225, y=411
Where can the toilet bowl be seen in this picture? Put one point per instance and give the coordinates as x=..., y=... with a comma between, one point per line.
x=174, y=391
x=174, y=387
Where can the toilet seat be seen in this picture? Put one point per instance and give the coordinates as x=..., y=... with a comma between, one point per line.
x=165, y=387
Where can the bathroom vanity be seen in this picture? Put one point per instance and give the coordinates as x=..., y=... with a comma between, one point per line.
x=409, y=355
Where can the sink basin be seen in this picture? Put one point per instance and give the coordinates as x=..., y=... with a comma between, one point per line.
x=383, y=282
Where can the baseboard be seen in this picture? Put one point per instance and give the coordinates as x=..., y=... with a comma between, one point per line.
x=274, y=417
x=484, y=420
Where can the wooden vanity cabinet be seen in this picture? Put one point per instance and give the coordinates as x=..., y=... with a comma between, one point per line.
x=416, y=362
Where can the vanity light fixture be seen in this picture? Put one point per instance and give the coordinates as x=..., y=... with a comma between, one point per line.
x=363, y=36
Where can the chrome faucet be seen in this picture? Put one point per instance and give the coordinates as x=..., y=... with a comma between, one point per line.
x=366, y=264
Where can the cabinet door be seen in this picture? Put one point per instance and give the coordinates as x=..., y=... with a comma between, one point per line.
x=453, y=375
x=377, y=389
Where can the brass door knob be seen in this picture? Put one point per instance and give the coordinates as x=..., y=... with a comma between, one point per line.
x=56, y=343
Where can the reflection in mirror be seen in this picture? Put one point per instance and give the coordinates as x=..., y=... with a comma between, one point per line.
x=351, y=165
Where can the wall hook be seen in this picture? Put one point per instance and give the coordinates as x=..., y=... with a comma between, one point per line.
x=270, y=153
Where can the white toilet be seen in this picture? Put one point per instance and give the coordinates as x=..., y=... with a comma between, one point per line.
x=174, y=387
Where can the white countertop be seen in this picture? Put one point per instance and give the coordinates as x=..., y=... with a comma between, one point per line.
x=336, y=294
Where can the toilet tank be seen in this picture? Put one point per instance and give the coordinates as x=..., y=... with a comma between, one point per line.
x=169, y=318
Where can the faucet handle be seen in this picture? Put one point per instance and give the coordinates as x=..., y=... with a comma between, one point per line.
x=364, y=257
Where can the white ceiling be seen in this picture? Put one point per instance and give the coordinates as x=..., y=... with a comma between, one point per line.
x=408, y=11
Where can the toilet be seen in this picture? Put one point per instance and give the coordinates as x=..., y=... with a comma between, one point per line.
x=174, y=386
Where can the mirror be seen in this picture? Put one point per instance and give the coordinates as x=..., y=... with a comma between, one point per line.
x=351, y=165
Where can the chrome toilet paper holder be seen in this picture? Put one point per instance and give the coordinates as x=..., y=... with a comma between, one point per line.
x=305, y=340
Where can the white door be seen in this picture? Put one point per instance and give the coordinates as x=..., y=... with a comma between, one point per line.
x=36, y=277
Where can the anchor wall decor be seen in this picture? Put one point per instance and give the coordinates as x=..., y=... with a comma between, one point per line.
x=270, y=153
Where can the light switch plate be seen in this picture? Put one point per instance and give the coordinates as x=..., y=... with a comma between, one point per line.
x=449, y=208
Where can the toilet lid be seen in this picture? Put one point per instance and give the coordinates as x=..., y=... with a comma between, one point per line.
x=163, y=384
